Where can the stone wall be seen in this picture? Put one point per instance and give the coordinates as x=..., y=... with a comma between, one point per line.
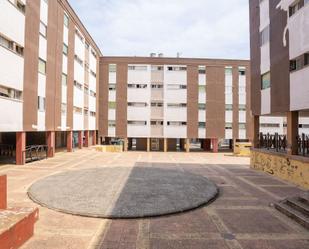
x=294, y=169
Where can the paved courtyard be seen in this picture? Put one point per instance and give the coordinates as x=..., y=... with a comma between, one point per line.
x=241, y=217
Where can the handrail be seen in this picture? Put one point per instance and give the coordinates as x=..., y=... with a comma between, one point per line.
x=35, y=152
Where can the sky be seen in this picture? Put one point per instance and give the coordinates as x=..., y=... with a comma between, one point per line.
x=193, y=28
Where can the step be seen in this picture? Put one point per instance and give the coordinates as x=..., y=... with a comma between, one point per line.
x=298, y=205
x=17, y=226
x=304, y=199
x=292, y=213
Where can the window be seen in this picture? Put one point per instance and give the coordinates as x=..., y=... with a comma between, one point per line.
x=65, y=49
x=176, y=87
x=87, y=45
x=64, y=79
x=229, y=107
x=137, y=104
x=137, y=68
x=202, y=69
x=156, y=123
x=21, y=6
x=299, y=63
x=180, y=105
x=202, y=88
x=297, y=6
x=63, y=108
x=93, y=94
x=10, y=93
x=112, y=87
x=43, y=29
x=268, y=125
x=266, y=80
x=86, y=90
x=79, y=60
x=157, y=68
x=175, y=123
x=112, y=105
x=93, y=114
x=157, y=104
x=78, y=85
x=242, y=108
x=156, y=86
x=201, y=124
x=228, y=126
x=228, y=71
x=140, y=123
x=202, y=107
x=86, y=111
x=111, y=123
x=264, y=36
x=93, y=73
x=78, y=110
x=307, y=57
x=6, y=43
x=180, y=68
x=112, y=68
x=66, y=20
x=42, y=66
x=242, y=126
x=41, y=104
x=242, y=71
x=140, y=86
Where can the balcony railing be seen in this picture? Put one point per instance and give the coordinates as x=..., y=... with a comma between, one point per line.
x=303, y=145
x=278, y=143
x=274, y=142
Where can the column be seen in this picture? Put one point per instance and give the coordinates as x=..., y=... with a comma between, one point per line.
x=94, y=138
x=292, y=133
x=165, y=145
x=50, y=141
x=187, y=145
x=69, y=141
x=207, y=144
x=148, y=144
x=130, y=144
x=3, y=192
x=86, y=134
x=256, y=131
x=80, y=139
x=125, y=144
x=20, y=148
x=214, y=142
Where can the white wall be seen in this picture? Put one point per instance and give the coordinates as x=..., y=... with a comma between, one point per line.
x=175, y=131
x=42, y=48
x=78, y=99
x=265, y=58
x=79, y=48
x=12, y=23
x=201, y=115
x=242, y=116
x=92, y=103
x=112, y=78
x=92, y=123
x=41, y=121
x=265, y=101
x=79, y=72
x=138, y=113
x=11, y=112
x=139, y=76
x=175, y=114
x=111, y=114
x=298, y=32
x=92, y=83
x=41, y=85
x=174, y=77
x=78, y=122
x=11, y=69
x=229, y=116
x=112, y=131
x=138, y=130
x=264, y=14
x=299, y=90
x=44, y=12
x=228, y=134
x=202, y=133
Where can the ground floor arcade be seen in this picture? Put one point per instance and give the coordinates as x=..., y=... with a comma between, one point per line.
x=15, y=147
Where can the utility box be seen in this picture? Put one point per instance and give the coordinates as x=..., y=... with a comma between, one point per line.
x=242, y=148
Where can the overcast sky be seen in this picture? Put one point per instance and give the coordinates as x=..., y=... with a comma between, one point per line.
x=195, y=28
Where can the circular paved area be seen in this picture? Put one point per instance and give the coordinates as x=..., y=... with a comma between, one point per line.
x=123, y=192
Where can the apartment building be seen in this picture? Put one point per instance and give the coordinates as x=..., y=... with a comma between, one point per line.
x=280, y=73
x=164, y=104
x=48, y=78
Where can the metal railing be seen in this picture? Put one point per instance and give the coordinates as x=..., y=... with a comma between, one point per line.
x=274, y=142
x=303, y=145
x=7, y=150
x=35, y=153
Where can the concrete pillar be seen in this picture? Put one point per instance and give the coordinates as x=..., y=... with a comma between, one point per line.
x=94, y=138
x=3, y=192
x=256, y=131
x=207, y=145
x=165, y=149
x=80, y=139
x=125, y=144
x=86, y=134
x=69, y=141
x=292, y=133
x=187, y=145
x=50, y=141
x=215, y=145
x=148, y=144
x=20, y=148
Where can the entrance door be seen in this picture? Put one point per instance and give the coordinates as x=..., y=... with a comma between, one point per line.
x=155, y=144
